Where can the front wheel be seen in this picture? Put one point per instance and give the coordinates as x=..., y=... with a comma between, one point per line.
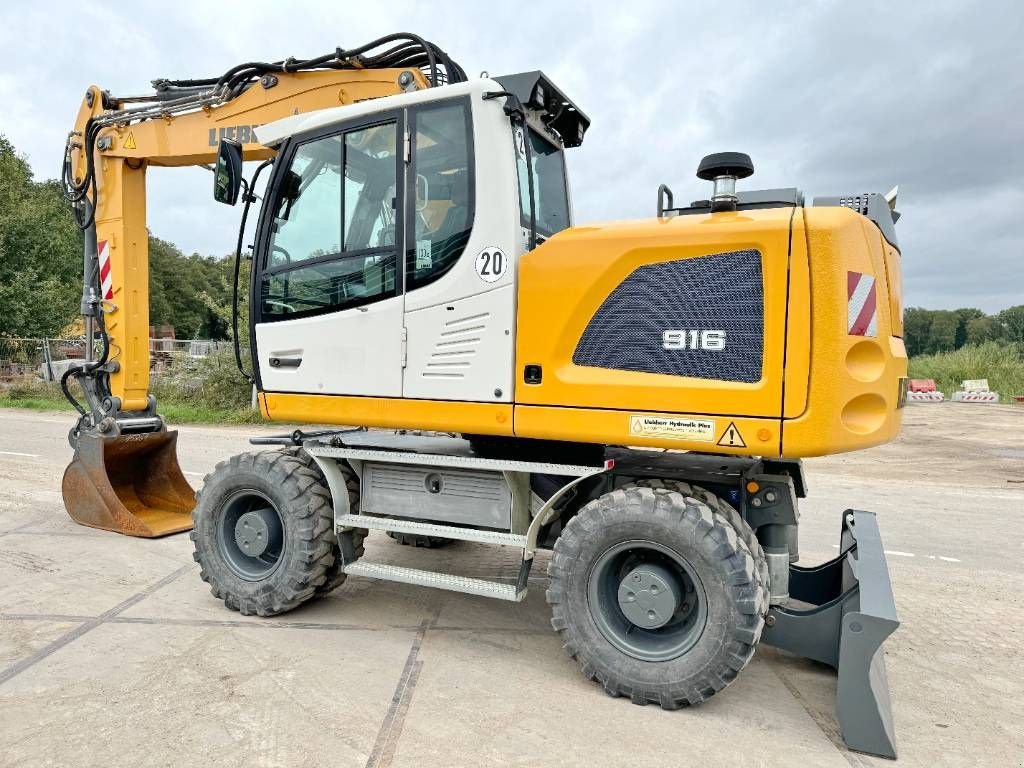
x=656, y=596
x=264, y=532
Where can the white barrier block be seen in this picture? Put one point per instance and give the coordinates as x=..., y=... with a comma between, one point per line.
x=975, y=397
x=925, y=397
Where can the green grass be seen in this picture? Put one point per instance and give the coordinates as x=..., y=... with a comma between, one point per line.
x=209, y=391
x=174, y=413
x=1001, y=364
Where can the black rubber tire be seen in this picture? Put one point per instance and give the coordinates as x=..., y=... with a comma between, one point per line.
x=304, y=507
x=419, y=540
x=710, y=543
x=335, y=577
x=725, y=509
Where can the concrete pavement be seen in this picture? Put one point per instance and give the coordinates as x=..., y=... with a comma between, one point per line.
x=113, y=652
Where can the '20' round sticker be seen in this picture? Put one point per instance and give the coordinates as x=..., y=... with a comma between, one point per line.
x=491, y=264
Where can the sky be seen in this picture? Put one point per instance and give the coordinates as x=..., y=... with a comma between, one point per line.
x=832, y=98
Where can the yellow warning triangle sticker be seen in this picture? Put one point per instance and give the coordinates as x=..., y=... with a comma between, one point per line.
x=732, y=438
x=129, y=143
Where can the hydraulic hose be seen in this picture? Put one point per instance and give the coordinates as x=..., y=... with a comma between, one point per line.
x=250, y=196
x=177, y=96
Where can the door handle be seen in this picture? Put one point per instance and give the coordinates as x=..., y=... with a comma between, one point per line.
x=285, y=362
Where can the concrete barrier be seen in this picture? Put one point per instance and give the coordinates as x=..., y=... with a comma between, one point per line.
x=975, y=397
x=925, y=397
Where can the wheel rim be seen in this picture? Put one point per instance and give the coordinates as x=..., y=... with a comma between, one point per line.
x=250, y=536
x=647, y=600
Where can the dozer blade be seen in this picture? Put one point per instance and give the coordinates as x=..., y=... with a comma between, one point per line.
x=848, y=611
x=130, y=484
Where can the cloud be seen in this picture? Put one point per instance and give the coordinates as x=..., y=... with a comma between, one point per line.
x=829, y=97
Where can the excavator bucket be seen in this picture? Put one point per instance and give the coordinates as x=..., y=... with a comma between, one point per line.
x=130, y=484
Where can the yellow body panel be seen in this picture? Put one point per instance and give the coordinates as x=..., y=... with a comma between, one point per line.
x=564, y=281
x=389, y=413
x=822, y=390
x=853, y=380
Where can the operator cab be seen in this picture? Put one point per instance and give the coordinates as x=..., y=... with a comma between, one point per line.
x=390, y=235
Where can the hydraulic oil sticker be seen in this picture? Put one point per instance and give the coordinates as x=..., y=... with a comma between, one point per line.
x=673, y=428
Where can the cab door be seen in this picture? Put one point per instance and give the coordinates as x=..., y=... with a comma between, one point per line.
x=328, y=296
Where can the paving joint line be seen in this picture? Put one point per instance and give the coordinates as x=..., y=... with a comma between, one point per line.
x=383, y=752
x=87, y=626
x=263, y=624
x=825, y=724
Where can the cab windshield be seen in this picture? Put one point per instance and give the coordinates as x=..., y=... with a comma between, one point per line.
x=549, y=188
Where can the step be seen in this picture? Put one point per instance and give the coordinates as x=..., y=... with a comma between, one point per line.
x=431, y=529
x=447, y=581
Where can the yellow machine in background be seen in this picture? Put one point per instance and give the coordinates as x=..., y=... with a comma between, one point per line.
x=416, y=267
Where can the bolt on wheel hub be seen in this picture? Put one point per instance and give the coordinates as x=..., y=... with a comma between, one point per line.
x=647, y=600
x=649, y=596
x=251, y=534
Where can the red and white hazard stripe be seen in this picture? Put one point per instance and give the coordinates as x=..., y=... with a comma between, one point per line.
x=924, y=397
x=106, y=281
x=862, y=304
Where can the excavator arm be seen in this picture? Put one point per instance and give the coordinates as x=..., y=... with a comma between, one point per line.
x=124, y=475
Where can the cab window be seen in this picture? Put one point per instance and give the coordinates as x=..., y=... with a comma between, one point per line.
x=333, y=236
x=551, y=196
x=442, y=215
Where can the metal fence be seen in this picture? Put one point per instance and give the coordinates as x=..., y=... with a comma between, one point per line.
x=48, y=358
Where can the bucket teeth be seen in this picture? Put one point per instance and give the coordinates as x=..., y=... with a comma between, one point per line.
x=130, y=484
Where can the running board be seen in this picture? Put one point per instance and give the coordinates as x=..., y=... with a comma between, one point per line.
x=452, y=583
x=851, y=612
x=430, y=529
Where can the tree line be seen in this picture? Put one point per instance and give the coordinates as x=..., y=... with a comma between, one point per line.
x=41, y=266
x=927, y=331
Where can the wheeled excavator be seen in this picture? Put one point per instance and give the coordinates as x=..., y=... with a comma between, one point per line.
x=632, y=397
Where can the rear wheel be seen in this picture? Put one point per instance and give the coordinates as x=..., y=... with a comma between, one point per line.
x=656, y=596
x=264, y=533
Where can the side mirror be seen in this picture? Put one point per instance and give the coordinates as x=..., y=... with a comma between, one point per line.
x=227, y=177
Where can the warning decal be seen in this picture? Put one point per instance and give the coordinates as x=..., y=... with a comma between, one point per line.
x=732, y=438
x=129, y=143
x=106, y=281
x=862, y=303
x=673, y=427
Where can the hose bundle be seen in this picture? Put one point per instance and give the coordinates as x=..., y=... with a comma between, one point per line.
x=178, y=96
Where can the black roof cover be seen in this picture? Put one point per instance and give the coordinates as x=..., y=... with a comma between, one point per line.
x=560, y=114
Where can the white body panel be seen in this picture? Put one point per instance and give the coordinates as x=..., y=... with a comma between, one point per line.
x=462, y=350
x=434, y=313
x=356, y=351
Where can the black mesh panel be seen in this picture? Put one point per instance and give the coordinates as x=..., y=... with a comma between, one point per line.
x=721, y=292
